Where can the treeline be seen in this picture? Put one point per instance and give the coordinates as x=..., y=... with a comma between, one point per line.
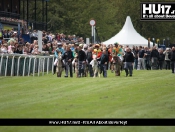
x=73, y=16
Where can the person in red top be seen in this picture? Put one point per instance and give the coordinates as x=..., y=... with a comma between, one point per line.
x=110, y=55
x=97, y=51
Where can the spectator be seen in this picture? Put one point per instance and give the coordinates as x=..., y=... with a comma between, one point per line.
x=116, y=49
x=31, y=47
x=53, y=50
x=58, y=37
x=73, y=49
x=19, y=49
x=74, y=38
x=21, y=41
x=103, y=64
x=167, y=60
x=85, y=47
x=141, y=64
x=161, y=59
x=63, y=38
x=6, y=34
x=129, y=60
x=26, y=49
x=110, y=57
x=172, y=58
x=76, y=47
x=121, y=52
x=81, y=61
x=1, y=35
x=4, y=48
x=80, y=40
x=59, y=49
x=14, y=36
x=89, y=59
x=68, y=58
x=154, y=58
x=136, y=52
x=16, y=46
x=147, y=56
x=69, y=38
x=49, y=37
x=35, y=42
x=50, y=47
x=11, y=47
x=34, y=36
x=45, y=48
x=35, y=50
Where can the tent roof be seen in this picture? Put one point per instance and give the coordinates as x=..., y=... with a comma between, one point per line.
x=128, y=36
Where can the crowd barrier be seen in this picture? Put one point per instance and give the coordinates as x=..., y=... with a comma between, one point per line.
x=25, y=65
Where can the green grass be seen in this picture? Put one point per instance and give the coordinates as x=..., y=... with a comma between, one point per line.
x=148, y=94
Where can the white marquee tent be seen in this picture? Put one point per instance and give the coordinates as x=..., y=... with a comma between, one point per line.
x=128, y=36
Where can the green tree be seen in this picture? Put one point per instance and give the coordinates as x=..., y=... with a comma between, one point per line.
x=72, y=17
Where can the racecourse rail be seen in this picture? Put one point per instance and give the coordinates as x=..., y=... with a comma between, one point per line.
x=25, y=65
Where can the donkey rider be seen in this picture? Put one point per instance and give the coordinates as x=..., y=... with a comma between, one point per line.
x=59, y=49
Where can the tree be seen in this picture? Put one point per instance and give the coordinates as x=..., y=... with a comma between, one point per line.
x=72, y=17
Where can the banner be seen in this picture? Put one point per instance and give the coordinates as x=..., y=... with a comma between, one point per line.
x=26, y=38
x=87, y=122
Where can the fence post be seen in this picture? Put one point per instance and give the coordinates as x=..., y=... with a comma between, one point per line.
x=24, y=66
x=29, y=65
x=18, y=66
x=12, y=68
x=1, y=63
x=52, y=64
x=39, y=65
x=34, y=67
x=6, y=66
x=48, y=65
x=43, y=65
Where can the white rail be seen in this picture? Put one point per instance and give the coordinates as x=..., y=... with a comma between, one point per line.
x=8, y=62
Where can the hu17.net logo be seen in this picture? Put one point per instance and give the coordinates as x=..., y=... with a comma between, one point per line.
x=158, y=11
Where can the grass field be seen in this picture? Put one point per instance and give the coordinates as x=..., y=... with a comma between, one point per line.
x=148, y=94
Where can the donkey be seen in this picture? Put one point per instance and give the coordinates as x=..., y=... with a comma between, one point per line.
x=75, y=64
x=117, y=65
x=59, y=68
x=95, y=66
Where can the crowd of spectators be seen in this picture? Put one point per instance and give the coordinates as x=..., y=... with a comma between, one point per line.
x=9, y=19
x=11, y=43
x=143, y=57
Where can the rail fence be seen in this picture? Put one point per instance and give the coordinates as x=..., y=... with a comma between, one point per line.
x=25, y=65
